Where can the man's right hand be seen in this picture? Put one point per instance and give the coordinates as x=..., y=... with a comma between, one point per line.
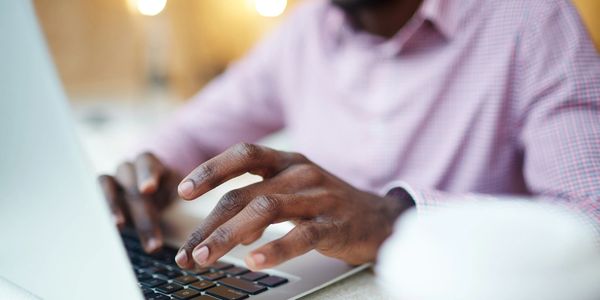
x=138, y=193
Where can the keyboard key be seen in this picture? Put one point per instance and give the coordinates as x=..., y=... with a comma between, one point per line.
x=144, y=264
x=155, y=270
x=156, y=296
x=169, y=273
x=186, y=294
x=272, y=281
x=152, y=282
x=168, y=288
x=226, y=293
x=146, y=290
x=140, y=262
x=254, y=276
x=133, y=246
x=220, y=265
x=173, y=266
x=160, y=256
x=213, y=276
x=205, y=297
x=168, y=255
x=235, y=271
x=157, y=263
x=200, y=271
x=202, y=285
x=186, y=279
x=143, y=276
x=242, y=285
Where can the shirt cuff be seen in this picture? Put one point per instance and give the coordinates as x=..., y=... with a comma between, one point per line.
x=434, y=198
x=402, y=190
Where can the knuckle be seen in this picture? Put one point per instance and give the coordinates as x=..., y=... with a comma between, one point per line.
x=329, y=197
x=143, y=156
x=298, y=157
x=266, y=206
x=147, y=160
x=342, y=238
x=195, y=238
x=247, y=150
x=111, y=190
x=279, y=249
x=310, y=234
x=230, y=201
x=222, y=235
x=203, y=171
x=105, y=180
x=123, y=168
x=310, y=172
x=127, y=165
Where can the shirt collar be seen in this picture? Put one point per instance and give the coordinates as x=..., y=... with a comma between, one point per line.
x=445, y=15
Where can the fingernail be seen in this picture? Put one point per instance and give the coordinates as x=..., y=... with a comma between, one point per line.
x=119, y=219
x=181, y=258
x=186, y=188
x=148, y=186
x=200, y=255
x=152, y=244
x=257, y=259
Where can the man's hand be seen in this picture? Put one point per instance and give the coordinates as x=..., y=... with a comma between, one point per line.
x=137, y=194
x=331, y=216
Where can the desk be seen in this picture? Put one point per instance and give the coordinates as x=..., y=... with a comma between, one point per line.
x=359, y=286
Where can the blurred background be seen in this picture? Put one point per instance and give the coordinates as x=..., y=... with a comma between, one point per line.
x=126, y=64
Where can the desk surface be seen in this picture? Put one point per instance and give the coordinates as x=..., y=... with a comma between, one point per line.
x=359, y=286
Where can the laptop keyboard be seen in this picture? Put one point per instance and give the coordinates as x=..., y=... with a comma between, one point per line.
x=161, y=279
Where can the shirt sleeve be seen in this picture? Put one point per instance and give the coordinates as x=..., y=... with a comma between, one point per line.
x=241, y=105
x=558, y=94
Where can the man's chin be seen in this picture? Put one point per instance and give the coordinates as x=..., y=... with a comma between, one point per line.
x=354, y=4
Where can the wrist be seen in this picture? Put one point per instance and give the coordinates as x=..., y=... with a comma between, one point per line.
x=397, y=201
x=401, y=196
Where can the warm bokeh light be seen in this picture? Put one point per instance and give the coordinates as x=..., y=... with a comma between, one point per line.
x=270, y=8
x=150, y=7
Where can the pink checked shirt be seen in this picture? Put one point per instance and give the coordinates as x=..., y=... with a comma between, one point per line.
x=470, y=99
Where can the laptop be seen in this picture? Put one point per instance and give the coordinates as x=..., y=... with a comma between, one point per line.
x=58, y=239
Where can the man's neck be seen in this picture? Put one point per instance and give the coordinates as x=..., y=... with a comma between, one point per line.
x=386, y=18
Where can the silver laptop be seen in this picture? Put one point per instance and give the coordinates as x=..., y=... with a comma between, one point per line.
x=58, y=240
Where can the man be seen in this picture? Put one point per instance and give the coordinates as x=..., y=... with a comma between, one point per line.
x=392, y=103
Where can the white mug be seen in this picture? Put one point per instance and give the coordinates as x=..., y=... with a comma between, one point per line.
x=492, y=250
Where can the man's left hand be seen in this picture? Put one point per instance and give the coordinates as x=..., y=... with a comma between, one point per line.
x=330, y=215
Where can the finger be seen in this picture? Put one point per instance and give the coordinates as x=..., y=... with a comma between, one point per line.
x=143, y=213
x=298, y=241
x=254, y=218
x=148, y=170
x=230, y=205
x=113, y=195
x=251, y=238
x=235, y=161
